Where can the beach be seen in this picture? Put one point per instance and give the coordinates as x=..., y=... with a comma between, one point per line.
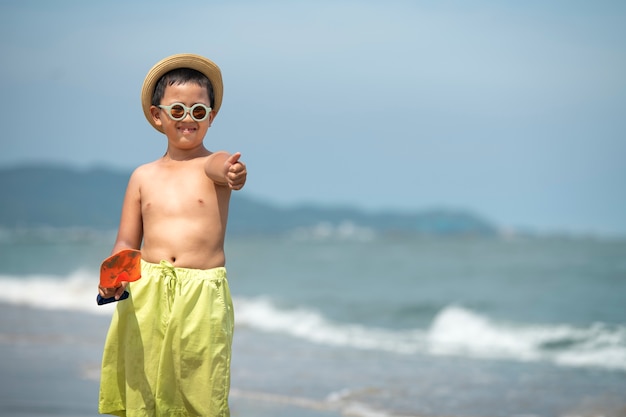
x=51, y=365
x=49, y=362
x=382, y=328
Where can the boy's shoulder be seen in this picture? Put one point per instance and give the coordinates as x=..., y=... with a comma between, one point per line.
x=145, y=172
x=145, y=169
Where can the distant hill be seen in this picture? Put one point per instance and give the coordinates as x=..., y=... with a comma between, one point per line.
x=35, y=196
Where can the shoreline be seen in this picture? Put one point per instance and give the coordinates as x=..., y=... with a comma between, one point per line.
x=50, y=366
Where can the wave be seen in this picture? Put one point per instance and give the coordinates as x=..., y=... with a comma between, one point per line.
x=343, y=401
x=459, y=331
x=454, y=331
x=76, y=292
x=262, y=314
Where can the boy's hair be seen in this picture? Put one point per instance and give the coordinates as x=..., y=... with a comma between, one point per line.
x=182, y=76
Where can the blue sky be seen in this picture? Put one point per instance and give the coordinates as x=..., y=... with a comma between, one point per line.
x=514, y=110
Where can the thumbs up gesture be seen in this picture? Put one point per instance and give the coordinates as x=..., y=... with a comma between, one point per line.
x=236, y=172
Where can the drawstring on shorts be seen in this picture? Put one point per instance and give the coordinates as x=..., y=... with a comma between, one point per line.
x=168, y=274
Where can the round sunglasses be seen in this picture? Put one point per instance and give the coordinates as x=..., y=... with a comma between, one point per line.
x=178, y=111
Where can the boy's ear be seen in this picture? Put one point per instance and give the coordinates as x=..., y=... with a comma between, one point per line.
x=156, y=115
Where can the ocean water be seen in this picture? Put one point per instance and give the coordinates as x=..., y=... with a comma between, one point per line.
x=339, y=321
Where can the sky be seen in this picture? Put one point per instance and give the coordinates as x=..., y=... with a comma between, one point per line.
x=513, y=110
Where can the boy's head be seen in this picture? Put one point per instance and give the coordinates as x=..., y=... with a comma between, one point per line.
x=181, y=69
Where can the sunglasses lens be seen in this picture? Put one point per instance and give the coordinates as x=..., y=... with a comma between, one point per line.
x=177, y=112
x=198, y=112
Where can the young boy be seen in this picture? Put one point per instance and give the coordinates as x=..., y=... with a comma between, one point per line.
x=167, y=352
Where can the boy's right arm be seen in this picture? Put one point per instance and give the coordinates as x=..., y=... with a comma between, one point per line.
x=130, y=231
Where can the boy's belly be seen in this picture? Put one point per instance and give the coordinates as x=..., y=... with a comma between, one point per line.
x=184, y=244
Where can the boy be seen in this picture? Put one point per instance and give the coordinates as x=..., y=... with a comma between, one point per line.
x=167, y=352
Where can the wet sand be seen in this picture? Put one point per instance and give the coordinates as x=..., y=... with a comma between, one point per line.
x=50, y=366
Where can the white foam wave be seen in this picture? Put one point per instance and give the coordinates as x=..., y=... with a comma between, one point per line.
x=459, y=331
x=341, y=401
x=262, y=314
x=454, y=331
x=76, y=292
x=347, y=401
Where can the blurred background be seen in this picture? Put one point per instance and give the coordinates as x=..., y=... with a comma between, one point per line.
x=433, y=223
x=514, y=110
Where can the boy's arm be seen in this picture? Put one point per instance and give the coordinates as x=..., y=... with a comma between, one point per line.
x=130, y=231
x=227, y=170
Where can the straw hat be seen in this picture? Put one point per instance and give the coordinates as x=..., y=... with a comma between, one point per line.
x=196, y=62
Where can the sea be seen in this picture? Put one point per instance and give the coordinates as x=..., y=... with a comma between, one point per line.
x=342, y=321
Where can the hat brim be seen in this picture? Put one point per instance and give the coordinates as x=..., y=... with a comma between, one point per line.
x=196, y=62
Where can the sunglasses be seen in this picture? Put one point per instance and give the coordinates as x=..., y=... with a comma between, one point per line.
x=178, y=111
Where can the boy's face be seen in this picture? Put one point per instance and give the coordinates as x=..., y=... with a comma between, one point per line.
x=186, y=133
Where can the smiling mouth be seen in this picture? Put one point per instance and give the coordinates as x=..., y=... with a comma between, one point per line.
x=187, y=129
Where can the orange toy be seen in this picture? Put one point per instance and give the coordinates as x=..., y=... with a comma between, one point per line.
x=125, y=265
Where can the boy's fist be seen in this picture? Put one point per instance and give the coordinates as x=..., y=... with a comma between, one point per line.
x=236, y=172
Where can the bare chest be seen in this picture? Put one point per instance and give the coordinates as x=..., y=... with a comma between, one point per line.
x=178, y=195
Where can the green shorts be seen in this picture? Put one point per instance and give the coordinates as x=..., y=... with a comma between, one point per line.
x=168, y=349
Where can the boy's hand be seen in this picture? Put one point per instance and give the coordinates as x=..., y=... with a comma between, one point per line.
x=236, y=172
x=112, y=292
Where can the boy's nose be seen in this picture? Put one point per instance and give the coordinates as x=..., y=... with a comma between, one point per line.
x=187, y=116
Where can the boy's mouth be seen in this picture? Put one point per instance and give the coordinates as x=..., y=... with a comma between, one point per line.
x=187, y=129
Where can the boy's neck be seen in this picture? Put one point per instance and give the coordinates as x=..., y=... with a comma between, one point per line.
x=185, y=155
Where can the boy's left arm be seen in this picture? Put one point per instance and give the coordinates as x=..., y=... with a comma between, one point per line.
x=227, y=170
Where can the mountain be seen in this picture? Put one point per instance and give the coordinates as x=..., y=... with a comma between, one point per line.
x=36, y=196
